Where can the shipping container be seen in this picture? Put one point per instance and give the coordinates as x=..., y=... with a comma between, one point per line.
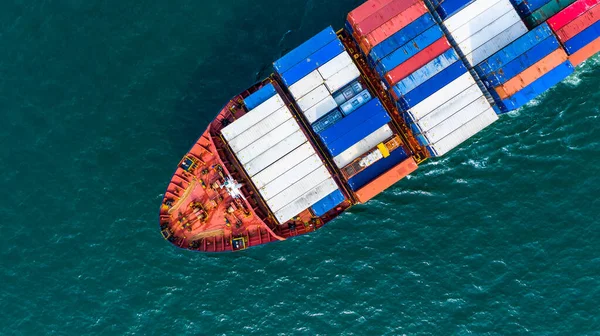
x=377, y=169
x=306, y=85
x=260, y=96
x=579, y=24
x=431, y=86
x=545, y=12
x=276, y=135
x=402, y=37
x=354, y=103
x=586, y=52
x=408, y=50
x=441, y=96
x=426, y=72
x=489, y=32
x=365, y=10
x=327, y=120
x=531, y=74
x=582, y=39
x=475, y=24
x=447, y=8
x=472, y=10
x=305, y=201
x=260, y=129
x=312, y=62
x=320, y=109
x=348, y=139
x=447, y=109
x=536, y=88
x=570, y=13
x=275, y=153
x=282, y=165
x=335, y=65
x=498, y=42
x=371, y=108
x=299, y=188
x=292, y=175
x=252, y=117
x=363, y=146
x=417, y=61
x=514, y=50
x=523, y=61
x=386, y=180
x=313, y=97
x=307, y=48
x=328, y=203
x=391, y=27
x=348, y=92
x=464, y=133
x=383, y=15
x=342, y=77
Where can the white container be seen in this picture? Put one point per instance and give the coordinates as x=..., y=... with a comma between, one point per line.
x=252, y=117
x=305, y=201
x=498, y=42
x=313, y=97
x=293, y=175
x=441, y=96
x=449, y=108
x=494, y=28
x=276, y=152
x=267, y=141
x=466, y=14
x=365, y=145
x=320, y=109
x=260, y=129
x=342, y=77
x=458, y=119
x=306, y=84
x=465, y=132
x=282, y=165
x=477, y=23
x=299, y=188
x=335, y=65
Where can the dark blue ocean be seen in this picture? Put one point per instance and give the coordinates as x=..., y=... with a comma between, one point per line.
x=100, y=99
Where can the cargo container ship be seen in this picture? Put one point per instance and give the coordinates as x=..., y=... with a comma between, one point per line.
x=347, y=114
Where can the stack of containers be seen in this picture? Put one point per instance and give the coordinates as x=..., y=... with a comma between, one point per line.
x=322, y=78
x=577, y=27
x=480, y=28
x=360, y=133
x=525, y=68
x=536, y=12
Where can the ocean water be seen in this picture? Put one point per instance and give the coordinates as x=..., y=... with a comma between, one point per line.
x=100, y=99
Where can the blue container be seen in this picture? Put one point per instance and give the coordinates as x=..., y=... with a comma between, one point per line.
x=536, y=88
x=350, y=122
x=426, y=72
x=328, y=203
x=357, y=134
x=407, y=51
x=327, y=120
x=304, y=50
x=260, y=96
x=582, y=39
x=447, y=8
x=356, y=102
x=514, y=50
x=401, y=37
x=431, y=86
x=312, y=62
x=376, y=169
x=527, y=7
x=522, y=62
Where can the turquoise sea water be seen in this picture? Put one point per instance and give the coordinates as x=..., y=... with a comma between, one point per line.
x=99, y=101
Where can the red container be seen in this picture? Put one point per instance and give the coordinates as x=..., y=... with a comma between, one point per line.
x=417, y=61
x=386, y=180
x=382, y=16
x=579, y=24
x=392, y=26
x=365, y=10
x=570, y=13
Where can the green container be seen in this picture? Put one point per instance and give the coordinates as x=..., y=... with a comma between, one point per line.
x=545, y=12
